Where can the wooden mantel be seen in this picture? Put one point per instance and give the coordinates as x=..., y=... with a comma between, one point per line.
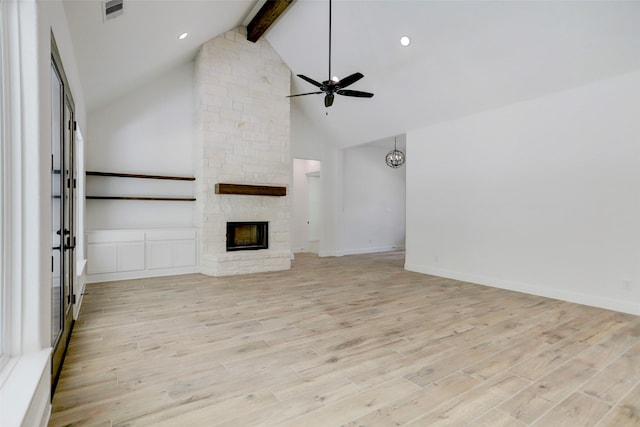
x=251, y=190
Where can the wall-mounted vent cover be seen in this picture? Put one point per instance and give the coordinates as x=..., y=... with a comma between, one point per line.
x=112, y=9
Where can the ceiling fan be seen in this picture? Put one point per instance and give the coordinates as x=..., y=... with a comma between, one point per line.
x=333, y=85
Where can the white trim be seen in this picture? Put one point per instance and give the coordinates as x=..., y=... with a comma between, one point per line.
x=25, y=390
x=141, y=274
x=323, y=254
x=532, y=289
x=370, y=250
x=24, y=398
x=4, y=219
x=14, y=185
x=80, y=285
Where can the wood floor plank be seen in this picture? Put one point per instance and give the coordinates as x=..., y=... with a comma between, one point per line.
x=466, y=407
x=548, y=360
x=502, y=360
x=352, y=340
x=626, y=413
x=615, y=381
x=496, y=418
x=445, y=366
x=547, y=392
x=204, y=414
x=610, y=324
x=296, y=406
x=418, y=403
x=355, y=406
x=578, y=410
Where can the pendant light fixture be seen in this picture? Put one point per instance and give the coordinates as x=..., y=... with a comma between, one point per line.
x=395, y=157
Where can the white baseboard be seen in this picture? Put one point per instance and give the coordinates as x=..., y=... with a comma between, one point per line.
x=46, y=416
x=142, y=274
x=327, y=253
x=370, y=250
x=81, y=280
x=527, y=288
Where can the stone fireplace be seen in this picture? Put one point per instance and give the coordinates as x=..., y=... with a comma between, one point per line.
x=242, y=137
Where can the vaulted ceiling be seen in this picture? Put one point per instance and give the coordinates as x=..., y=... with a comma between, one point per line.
x=464, y=57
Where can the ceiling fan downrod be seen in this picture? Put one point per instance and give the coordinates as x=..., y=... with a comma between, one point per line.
x=332, y=86
x=329, y=41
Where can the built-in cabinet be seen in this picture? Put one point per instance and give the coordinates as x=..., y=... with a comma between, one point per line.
x=111, y=251
x=170, y=249
x=130, y=254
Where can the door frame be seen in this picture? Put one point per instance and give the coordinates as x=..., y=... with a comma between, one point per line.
x=66, y=225
x=314, y=211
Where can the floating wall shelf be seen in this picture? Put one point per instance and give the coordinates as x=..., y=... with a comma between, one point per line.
x=136, y=175
x=143, y=176
x=175, y=199
x=251, y=190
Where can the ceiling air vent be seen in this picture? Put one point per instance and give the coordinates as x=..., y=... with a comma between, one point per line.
x=112, y=9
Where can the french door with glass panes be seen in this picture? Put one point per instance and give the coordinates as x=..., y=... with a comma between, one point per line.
x=63, y=199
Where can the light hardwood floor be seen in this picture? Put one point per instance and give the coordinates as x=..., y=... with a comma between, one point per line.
x=353, y=341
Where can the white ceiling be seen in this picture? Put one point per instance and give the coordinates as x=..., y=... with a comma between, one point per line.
x=465, y=56
x=124, y=52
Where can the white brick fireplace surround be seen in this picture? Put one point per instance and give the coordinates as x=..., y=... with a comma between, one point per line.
x=242, y=137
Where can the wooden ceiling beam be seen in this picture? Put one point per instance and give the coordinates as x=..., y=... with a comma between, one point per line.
x=266, y=16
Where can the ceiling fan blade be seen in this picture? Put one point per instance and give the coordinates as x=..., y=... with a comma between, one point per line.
x=328, y=100
x=349, y=80
x=356, y=93
x=313, y=82
x=303, y=94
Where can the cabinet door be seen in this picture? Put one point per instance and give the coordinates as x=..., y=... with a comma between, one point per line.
x=102, y=258
x=184, y=253
x=159, y=254
x=130, y=256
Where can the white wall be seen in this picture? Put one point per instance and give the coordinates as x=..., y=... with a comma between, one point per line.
x=540, y=197
x=148, y=131
x=300, y=203
x=373, y=202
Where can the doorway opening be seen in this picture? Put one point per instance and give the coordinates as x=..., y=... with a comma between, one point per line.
x=306, y=232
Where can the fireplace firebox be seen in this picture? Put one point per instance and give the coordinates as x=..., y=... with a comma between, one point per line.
x=247, y=236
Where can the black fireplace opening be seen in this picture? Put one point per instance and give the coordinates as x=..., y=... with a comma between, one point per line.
x=247, y=236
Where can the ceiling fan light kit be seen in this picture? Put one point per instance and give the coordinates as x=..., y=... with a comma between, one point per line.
x=333, y=85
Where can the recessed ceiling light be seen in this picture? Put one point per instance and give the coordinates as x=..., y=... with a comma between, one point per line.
x=183, y=36
x=405, y=41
